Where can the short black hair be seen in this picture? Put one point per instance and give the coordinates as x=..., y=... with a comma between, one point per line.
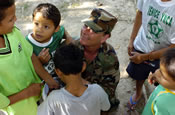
x=49, y=11
x=5, y=4
x=69, y=59
x=168, y=60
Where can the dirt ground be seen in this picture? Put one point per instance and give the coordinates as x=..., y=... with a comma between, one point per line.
x=72, y=12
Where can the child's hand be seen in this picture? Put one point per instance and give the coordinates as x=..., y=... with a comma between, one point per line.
x=34, y=89
x=151, y=78
x=44, y=56
x=136, y=57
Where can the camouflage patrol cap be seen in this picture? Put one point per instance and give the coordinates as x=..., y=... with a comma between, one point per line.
x=100, y=21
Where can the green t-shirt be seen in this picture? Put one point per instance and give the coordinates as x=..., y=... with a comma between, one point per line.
x=16, y=73
x=161, y=102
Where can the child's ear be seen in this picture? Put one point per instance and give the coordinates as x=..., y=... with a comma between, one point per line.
x=58, y=27
x=84, y=67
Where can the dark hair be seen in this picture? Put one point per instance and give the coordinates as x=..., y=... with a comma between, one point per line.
x=5, y=4
x=168, y=60
x=48, y=11
x=69, y=59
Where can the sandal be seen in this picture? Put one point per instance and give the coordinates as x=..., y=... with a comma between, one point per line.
x=131, y=104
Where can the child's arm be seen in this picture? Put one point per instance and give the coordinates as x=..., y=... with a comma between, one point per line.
x=67, y=37
x=33, y=90
x=139, y=57
x=158, y=53
x=43, y=73
x=136, y=27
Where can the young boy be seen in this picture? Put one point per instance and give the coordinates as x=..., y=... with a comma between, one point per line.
x=75, y=98
x=47, y=34
x=20, y=85
x=162, y=99
x=152, y=35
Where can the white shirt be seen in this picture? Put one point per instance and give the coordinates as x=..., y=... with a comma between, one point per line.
x=158, y=25
x=61, y=102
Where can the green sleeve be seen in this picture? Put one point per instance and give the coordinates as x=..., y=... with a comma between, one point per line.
x=4, y=101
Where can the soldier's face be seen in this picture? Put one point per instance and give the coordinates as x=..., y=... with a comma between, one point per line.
x=89, y=38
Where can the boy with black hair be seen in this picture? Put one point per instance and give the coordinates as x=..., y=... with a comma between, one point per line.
x=20, y=85
x=47, y=34
x=75, y=98
x=162, y=99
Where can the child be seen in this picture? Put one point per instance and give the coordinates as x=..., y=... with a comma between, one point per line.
x=152, y=35
x=47, y=34
x=75, y=98
x=162, y=99
x=20, y=85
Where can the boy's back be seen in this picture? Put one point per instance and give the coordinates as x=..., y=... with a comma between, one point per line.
x=75, y=98
x=61, y=102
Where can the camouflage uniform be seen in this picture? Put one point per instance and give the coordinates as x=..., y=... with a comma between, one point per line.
x=104, y=70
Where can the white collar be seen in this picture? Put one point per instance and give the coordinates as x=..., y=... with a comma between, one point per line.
x=38, y=43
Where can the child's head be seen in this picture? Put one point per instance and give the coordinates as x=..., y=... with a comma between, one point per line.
x=46, y=20
x=166, y=74
x=49, y=12
x=7, y=16
x=68, y=59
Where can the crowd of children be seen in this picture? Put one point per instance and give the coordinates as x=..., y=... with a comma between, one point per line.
x=88, y=68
